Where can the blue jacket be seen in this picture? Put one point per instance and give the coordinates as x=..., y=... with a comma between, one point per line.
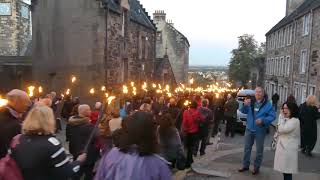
x=266, y=113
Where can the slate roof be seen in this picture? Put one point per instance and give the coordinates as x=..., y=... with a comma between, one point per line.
x=138, y=14
x=183, y=36
x=300, y=11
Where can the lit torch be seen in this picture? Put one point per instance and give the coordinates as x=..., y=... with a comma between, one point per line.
x=110, y=99
x=73, y=79
x=125, y=89
x=103, y=88
x=186, y=103
x=31, y=89
x=191, y=81
x=3, y=102
x=92, y=91
x=68, y=92
x=40, y=90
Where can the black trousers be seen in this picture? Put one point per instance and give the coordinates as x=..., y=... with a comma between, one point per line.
x=230, y=126
x=202, y=139
x=190, y=141
x=287, y=176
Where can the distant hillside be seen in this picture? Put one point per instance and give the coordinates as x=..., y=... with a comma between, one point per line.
x=208, y=68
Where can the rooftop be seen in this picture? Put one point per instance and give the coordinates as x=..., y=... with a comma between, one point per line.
x=300, y=11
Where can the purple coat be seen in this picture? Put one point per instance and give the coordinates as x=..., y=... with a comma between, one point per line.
x=117, y=165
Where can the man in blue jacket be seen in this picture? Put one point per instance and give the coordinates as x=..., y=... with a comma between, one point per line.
x=260, y=115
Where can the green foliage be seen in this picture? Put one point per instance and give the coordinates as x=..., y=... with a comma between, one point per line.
x=243, y=58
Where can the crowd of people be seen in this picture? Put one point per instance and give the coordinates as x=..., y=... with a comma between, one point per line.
x=144, y=136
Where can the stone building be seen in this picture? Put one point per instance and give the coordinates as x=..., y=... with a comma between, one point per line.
x=293, y=49
x=15, y=44
x=102, y=42
x=174, y=44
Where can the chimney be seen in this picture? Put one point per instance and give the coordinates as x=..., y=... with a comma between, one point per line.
x=293, y=5
x=159, y=15
x=170, y=22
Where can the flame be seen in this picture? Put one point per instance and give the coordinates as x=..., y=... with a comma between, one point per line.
x=191, y=81
x=132, y=84
x=217, y=95
x=154, y=85
x=73, y=79
x=40, y=89
x=110, y=99
x=107, y=95
x=92, y=91
x=167, y=88
x=159, y=86
x=3, y=102
x=31, y=89
x=125, y=89
x=186, y=103
x=103, y=88
x=169, y=95
x=68, y=92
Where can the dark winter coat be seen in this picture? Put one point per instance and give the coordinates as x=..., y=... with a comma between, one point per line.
x=170, y=143
x=231, y=108
x=43, y=158
x=67, y=109
x=208, y=115
x=78, y=132
x=308, y=116
x=10, y=126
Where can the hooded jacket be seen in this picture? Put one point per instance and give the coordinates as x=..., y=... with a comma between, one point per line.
x=266, y=113
x=79, y=130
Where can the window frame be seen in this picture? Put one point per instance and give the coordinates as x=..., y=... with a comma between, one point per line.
x=306, y=25
x=10, y=7
x=303, y=61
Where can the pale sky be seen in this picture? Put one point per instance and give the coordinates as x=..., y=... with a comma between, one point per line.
x=212, y=26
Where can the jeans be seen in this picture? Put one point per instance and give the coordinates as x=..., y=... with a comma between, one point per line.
x=250, y=137
x=287, y=176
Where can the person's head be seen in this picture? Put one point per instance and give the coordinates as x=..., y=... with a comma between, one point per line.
x=45, y=102
x=39, y=121
x=259, y=94
x=53, y=94
x=138, y=129
x=205, y=102
x=76, y=100
x=98, y=106
x=116, y=113
x=166, y=121
x=147, y=100
x=194, y=105
x=84, y=110
x=172, y=102
x=161, y=100
x=311, y=101
x=18, y=100
x=290, y=110
x=229, y=96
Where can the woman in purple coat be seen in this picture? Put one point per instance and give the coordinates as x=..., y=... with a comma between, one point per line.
x=134, y=157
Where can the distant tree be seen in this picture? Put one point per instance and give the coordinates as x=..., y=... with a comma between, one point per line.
x=242, y=59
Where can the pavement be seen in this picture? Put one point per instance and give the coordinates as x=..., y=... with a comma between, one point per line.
x=224, y=158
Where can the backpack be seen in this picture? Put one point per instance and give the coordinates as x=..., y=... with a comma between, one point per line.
x=9, y=169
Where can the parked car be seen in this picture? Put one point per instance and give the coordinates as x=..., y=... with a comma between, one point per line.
x=241, y=123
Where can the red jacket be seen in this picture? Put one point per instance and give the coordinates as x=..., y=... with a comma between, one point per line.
x=94, y=117
x=191, y=118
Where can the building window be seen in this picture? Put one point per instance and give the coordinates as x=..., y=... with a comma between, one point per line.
x=277, y=67
x=284, y=37
x=303, y=61
x=273, y=67
x=287, y=71
x=5, y=9
x=290, y=34
x=312, y=90
x=282, y=66
x=306, y=24
x=24, y=12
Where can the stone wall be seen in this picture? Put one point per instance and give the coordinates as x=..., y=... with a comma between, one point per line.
x=129, y=57
x=69, y=39
x=171, y=42
x=15, y=31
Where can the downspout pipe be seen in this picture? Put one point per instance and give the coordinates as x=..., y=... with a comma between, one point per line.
x=309, y=53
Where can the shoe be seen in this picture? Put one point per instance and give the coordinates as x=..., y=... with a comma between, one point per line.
x=303, y=151
x=256, y=171
x=309, y=154
x=202, y=153
x=209, y=143
x=243, y=169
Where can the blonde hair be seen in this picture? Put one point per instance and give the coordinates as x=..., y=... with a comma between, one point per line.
x=311, y=101
x=40, y=121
